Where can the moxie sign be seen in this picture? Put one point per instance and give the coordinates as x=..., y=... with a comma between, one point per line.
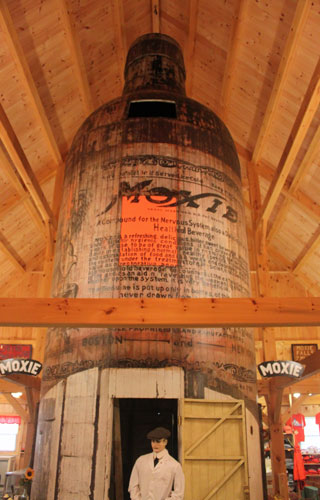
x=26, y=366
x=276, y=368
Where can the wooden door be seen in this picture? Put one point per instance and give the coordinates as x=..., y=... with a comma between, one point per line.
x=214, y=453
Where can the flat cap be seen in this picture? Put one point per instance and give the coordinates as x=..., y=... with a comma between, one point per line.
x=159, y=433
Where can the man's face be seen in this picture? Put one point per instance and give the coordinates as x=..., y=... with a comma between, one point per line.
x=158, y=444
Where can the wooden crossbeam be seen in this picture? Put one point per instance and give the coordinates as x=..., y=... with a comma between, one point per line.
x=193, y=6
x=184, y=313
x=155, y=15
x=307, y=252
x=266, y=171
x=12, y=255
x=20, y=161
x=26, y=76
x=120, y=38
x=24, y=196
x=294, y=408
x=300, y=127
x=301, y=14
x=305, y=164
x=232, y=56
x=17, y=406
x=77, y=58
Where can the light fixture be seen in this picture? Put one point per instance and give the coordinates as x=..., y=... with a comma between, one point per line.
x=296, y=394
x=310, y=394
x=16, y=394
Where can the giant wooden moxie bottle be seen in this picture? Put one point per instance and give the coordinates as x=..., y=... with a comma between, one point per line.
x=152, y=207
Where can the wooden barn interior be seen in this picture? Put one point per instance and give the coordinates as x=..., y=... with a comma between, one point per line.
x=256, y=64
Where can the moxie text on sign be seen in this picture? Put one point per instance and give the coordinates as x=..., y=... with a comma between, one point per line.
x=276, y=368
x=27, y=366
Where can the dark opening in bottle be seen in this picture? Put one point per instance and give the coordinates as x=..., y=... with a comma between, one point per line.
x=152, y=109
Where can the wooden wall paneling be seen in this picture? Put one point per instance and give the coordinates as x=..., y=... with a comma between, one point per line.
x=301, y=14
x=25, y=74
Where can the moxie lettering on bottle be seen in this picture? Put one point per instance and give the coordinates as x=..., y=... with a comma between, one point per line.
x=170, y=198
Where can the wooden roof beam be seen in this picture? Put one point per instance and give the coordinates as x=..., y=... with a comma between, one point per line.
x=301, y=14
x=179, y=313
x=15, y=180
x=77, y=58
x=155, y=13
x=193, y=6
x=307, y=252
x=267, y=172
x=120, y=38
x=306, y=163
x=303, y=120
x=232, y=56
x=20, y=161
x=12, y=255
x=9, y=31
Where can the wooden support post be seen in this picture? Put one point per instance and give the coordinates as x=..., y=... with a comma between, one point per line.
x=117, y=450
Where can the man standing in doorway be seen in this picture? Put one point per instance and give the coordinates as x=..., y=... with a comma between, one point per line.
x=157, y=475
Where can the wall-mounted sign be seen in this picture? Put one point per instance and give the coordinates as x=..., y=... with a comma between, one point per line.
x=8, y=351
x=302, y=351
x=283, y=368
x=26, y=366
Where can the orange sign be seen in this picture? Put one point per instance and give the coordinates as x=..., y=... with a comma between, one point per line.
x=148, y=234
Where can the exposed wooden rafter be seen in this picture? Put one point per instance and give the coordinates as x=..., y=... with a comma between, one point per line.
x=306, y=163
x=26, y=76
x=306, y=203
x=193, y=6
x=307, y=252
x=20, y=161
x=303, y=120
x=24, y=196
x=155, y=13
x=184, y=313
x=232, y=56
x=12, y=255
x=301, y=14
x=77, y=58
x=17, y=406
x=120, y=38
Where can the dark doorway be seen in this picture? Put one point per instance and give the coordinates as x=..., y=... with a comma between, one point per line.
x=136, y=418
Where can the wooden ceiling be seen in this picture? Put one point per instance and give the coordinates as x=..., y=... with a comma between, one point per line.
x=253, y=62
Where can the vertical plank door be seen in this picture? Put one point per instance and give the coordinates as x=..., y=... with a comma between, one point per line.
x=214, y=454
